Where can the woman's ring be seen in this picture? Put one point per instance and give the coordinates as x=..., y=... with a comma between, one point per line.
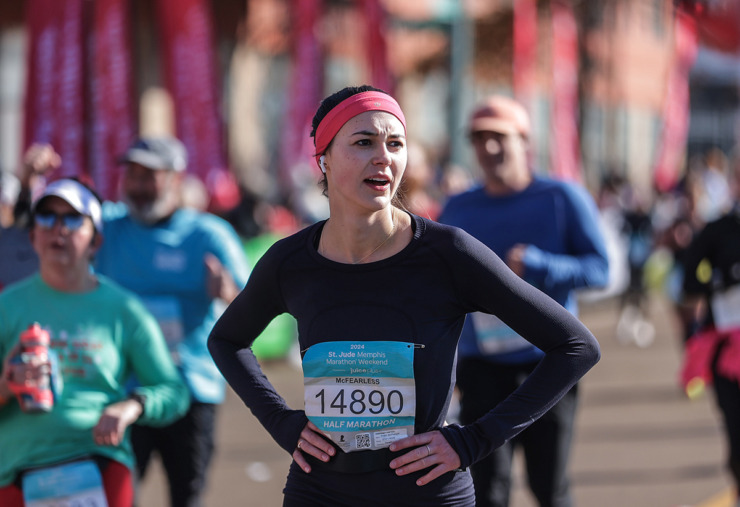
x=299, y=443
x=429, y=451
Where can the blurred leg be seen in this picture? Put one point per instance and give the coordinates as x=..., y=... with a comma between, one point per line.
x=492, y=478
x=11, y=496
x=118, y=485
x=144, y=442
x=482, y=386
x=727, y=392
x=547, y=446
x=186, y=449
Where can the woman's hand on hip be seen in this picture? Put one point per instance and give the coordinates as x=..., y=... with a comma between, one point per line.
x=428, y=450
x=312, y=442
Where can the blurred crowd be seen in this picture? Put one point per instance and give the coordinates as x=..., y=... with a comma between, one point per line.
x=649, y=238
x=647, y=232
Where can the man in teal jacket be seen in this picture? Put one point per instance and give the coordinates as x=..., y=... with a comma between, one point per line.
x=186, y=266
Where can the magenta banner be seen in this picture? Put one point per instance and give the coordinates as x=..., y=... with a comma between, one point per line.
x=376, y=46
x=305, y=94
x=564, y=140
x=525, y=51
x=672, y=145
x=112, y=109
x=70, y=90
x=185, y=27
x=43, y=34
x=55, y=89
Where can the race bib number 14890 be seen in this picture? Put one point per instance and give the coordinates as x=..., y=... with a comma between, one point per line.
x=361, y=394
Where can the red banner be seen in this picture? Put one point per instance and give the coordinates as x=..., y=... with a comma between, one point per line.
x=305, y=94
x=719, y=26
x=525, y=51
x=190, y=76
x=676, y=107
x=70, y=90
x=565, y=143
x=54, y=110
x=43, y=33
x=112, y=111
x=375, y=43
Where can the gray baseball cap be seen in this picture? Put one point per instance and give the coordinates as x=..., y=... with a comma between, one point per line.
x=166, y=153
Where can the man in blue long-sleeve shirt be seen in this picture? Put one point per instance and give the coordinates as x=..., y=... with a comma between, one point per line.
x=547, y=232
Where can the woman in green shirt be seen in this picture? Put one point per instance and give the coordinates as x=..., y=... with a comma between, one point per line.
x=100, y=335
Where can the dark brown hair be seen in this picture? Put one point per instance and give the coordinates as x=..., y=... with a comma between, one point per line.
x=327, y=105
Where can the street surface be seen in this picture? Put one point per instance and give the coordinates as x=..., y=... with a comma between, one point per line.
x=639, y=441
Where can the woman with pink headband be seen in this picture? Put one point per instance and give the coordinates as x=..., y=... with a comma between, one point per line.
x=380, y=296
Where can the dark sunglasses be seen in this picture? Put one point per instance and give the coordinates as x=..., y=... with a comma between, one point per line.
x=484, y=135
x=46, y=219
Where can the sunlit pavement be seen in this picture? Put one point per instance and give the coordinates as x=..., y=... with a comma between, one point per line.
x=639, y=441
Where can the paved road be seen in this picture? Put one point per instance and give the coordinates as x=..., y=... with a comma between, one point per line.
x=639, y=441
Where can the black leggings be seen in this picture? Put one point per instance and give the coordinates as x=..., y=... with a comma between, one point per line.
x=185, y=447
x=727, y=393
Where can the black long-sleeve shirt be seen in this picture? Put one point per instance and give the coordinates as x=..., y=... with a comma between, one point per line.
x=420, y=295
x=719, y=243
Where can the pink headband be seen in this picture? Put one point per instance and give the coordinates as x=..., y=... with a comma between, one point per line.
x=348, y=109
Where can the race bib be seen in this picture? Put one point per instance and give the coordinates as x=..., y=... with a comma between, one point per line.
x=361, y=395
x=495, y=337
x=166, y=310
x=726, y=309
x=72, y=484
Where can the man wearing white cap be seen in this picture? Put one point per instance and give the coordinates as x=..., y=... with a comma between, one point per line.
x=546, y=231
x=186, y=266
